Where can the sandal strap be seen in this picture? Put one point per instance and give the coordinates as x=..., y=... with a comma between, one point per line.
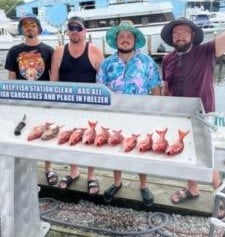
x=51, y=174
x=93, y=183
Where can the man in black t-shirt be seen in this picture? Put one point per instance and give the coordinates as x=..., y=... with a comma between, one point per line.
x=31, y=60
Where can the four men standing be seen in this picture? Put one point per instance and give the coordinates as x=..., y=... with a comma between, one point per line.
x=127, y=71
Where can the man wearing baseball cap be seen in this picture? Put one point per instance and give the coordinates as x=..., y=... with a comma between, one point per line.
x=77, y=61
x=188, y=71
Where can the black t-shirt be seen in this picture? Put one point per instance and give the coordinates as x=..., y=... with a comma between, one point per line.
x=30, y=62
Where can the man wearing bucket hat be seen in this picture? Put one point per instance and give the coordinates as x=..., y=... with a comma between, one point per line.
x=31, y=60
x=188, y=71
x=129, y=71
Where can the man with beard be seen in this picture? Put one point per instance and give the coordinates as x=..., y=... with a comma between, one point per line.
x=77, y=61
x=129, y=71
x=188, y=71
x=31, y=60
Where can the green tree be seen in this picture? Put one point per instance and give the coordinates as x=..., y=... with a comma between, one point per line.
x=9, y=6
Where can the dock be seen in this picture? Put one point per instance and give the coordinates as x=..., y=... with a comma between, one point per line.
x=162, y=189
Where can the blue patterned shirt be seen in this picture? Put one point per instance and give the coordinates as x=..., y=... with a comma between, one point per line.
x=137, y=76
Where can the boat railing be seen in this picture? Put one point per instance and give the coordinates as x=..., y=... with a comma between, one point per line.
x=89, y=5
x=114, y=2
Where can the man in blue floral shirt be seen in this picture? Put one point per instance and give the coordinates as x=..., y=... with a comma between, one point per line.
x=129, y=71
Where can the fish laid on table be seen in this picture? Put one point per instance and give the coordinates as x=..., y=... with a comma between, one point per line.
x=51, y=132
x=161, y=144
x=64, y=136
x=89, y=133
x=146, y=144
x=178, y=146
x=76, y=136
x=101, y=138
x=115, y=138
x=38, y=131
x=129, y=143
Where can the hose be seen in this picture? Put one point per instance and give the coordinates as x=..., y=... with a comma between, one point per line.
x=164, y=220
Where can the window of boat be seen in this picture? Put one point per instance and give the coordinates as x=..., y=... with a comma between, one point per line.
x=154, y=18
x=137, y=20
x=144, y=20
x=102, y=23
x=201, y=19
x=206, y=26
x=92, y=24
x=113, y=22
x=35, y=11
x=169, y=16
x=205, y=5
x=87, y=5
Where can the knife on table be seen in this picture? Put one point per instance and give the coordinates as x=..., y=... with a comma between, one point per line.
x=20, y=126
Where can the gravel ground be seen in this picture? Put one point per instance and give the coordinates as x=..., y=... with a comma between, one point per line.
x=113, y=221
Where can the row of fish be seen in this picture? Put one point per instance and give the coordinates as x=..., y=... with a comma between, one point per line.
x=89, y=135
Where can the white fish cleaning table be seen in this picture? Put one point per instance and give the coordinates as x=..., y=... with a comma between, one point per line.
x=73, y=105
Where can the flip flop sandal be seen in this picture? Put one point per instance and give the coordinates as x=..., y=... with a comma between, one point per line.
x=93, y=183
x=110, y=193
x=66, y=181
x=183, y=195
x=147, y=197
x=51, y=177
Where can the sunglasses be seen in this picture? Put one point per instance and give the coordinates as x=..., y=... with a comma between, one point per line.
x=29, y=24
x=75, y=28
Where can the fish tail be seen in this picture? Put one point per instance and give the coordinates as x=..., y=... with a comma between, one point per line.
x=182, y=134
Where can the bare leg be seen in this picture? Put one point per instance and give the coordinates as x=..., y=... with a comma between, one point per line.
x=91, y=173
x=48, y=166
x=143, y=180
x=216, y=180
x=74, y=172
x=193, y=187
x=117, y=177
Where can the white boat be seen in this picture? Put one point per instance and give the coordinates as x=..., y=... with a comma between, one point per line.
x=7, y=24
x=207, y=15
x=148, y=16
